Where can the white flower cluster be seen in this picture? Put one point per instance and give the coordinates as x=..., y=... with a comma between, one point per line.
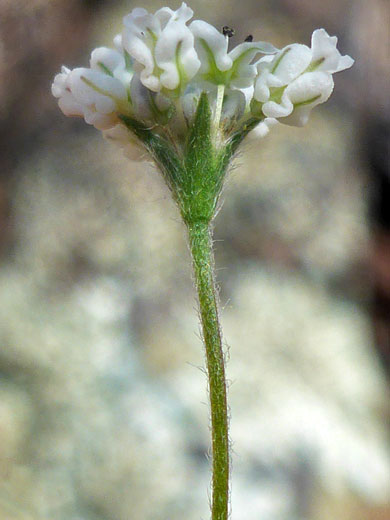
x=161, y=65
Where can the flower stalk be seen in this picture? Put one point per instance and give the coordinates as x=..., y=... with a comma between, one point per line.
x=203, y=264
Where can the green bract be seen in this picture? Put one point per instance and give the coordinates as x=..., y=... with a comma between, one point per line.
x=195, y=172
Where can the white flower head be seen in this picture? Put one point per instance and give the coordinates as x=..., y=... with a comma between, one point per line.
x=162, y=47
x=163, y=64
x=298, y=78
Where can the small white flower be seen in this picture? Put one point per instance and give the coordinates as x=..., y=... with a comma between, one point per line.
x=99, y=93
x=218, y=66
x=298, y=78
x=279, y=70
x=66, y=101
x=162, y=47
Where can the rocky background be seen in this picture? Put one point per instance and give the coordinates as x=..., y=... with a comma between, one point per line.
x=103, y=403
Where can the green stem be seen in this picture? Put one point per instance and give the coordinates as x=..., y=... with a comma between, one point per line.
x=203, y=264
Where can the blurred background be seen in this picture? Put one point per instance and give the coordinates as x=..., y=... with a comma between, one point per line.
x=103, y=403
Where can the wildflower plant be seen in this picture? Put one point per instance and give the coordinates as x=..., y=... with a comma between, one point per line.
x=173, y=93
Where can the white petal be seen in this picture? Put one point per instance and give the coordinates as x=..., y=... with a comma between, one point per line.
x=162, y=46
x=308, y=86
x=138, y=12
x=211, y=45
x=142, y=53
x=265, y=79
x=103, y=91
x=98, y=120
x=59, y=85
x=243, y=71
x=345, y=62
x=315, y=86
x=248, y=93
x=111, y=62
x=139, y=22
x=276, y=110
x=103, y=57
x=69, y=106
x=138, y=39
x=264, y=82
x=290, y=62
x=258, y=47
x=124, y=76
x=118, y=42
x=182, y=15
x=175, y=55
x=60, y=89
x=150, y=80
x=262, y=91
x=322, y=44
x=324, y=48
x=264, y=62
x=164, y=15
x=263, y=128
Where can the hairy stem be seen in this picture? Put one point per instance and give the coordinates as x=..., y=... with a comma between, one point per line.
x=203, y=264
